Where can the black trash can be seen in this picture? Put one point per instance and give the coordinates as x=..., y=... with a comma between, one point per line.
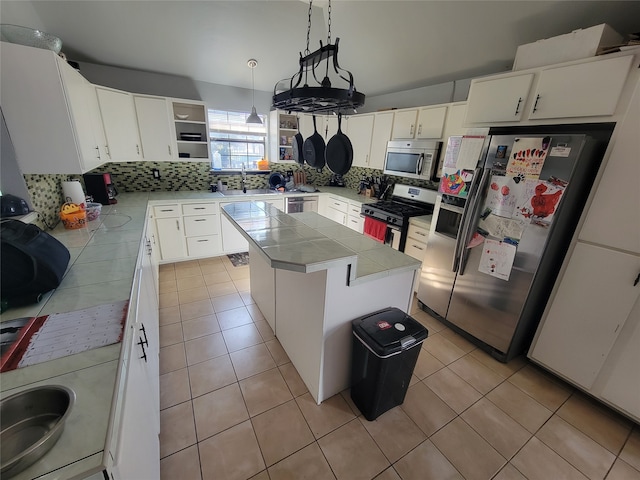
x=386, y=345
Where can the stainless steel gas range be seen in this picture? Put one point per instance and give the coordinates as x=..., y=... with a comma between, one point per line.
x=388, y=220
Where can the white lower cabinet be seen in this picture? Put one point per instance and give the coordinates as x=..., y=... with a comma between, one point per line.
x=585, y=334
x=137, y=452
x=355, y=221
x=232, y=239
x=170, y=232
x=338, y=210
x=202, y=229
x=416, y=245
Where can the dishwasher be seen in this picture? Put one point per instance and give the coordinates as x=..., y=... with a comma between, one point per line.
x=301, y=204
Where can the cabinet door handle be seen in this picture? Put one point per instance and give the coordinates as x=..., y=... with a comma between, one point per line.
x=420, y=233
x=144, y=353
x=138, y=149
x=199, y=241
x=416, y=246
x=637, y=280
x=411, y=130
x=199, y=208
x=535, y=105
x=98, y=152
x=169, y=148
x=106, y=149
x=420, y=129
x=518, y=106
x=167, y=210
x=200, y=220
x=177, y=224
x=144, y=332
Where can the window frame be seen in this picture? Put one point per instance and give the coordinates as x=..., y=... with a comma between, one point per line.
x=218, y=135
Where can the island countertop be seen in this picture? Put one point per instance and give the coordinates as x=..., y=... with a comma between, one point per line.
x=308, y=242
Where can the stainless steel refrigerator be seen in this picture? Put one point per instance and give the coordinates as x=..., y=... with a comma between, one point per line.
x=500, y=232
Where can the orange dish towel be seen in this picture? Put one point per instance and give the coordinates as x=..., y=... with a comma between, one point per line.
x=375, y=229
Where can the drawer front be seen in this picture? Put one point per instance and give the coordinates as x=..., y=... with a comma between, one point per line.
x=339, y=204
x=356, y=222
x=415, y=249
x=355, y=209
x=200, y=208
x=419, y=233
x=164, y=211
x=201, y=225
x=204, y=246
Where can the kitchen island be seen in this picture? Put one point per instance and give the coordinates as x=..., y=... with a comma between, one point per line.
x=310, y=277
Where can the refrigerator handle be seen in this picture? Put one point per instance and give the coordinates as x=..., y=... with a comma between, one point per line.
x=472, y=217
x=460, y=242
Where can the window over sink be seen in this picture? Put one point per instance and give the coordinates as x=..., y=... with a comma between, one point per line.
x=234, y=142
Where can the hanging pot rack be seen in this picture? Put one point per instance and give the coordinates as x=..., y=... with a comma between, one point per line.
x=323, y=99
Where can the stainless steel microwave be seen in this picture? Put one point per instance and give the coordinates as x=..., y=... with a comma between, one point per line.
x=412, y=158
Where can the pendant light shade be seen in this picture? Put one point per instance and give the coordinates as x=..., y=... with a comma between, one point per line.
x=253, y=118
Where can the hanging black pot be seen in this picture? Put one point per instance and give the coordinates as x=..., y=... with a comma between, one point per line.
x=339, y=151
x=313, y=149
x=297, y=144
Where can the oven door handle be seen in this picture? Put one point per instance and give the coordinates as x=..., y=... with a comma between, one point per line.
x=420, y=164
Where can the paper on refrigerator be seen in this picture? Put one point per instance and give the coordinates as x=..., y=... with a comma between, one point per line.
x=497, y=259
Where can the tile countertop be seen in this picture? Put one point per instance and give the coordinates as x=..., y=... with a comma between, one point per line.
x=308, y=242
x=100, y=271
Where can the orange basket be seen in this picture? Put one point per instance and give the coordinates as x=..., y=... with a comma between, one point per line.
x=73, y=216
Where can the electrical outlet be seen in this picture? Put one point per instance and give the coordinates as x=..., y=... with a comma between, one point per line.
x=156, y=173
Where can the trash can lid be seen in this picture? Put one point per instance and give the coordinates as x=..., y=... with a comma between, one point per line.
x=389, y=331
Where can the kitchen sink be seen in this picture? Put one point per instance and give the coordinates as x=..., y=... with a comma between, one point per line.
x=32, y=421
x=255, y=191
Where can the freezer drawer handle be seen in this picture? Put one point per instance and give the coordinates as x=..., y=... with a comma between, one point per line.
x=637, y=280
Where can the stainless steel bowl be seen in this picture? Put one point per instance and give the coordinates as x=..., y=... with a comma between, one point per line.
x=31, y=422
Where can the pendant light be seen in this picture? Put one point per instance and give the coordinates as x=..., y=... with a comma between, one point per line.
x=253, y=118
x=291, y=96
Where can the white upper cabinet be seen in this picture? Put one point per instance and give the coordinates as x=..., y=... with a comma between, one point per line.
x=360, y=133
x=586, y=88
x=152, y=114
x=120, y=124
x=423, y=123
x=613, y=218
x=498, y=99
x=191, y=129
x=85, y=115
x=46, y=118
x=582, y=90
x=404, y=124
x=382, y=126
x=431, y=122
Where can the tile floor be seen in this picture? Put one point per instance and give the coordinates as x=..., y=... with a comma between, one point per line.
x=233, y=406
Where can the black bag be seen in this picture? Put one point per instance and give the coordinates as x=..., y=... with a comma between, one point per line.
x=32, y=262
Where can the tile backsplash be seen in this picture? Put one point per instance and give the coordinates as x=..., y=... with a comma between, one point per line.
x=46, y=196
x=46, y=190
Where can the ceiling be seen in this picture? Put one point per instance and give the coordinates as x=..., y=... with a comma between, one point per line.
x=389, y=46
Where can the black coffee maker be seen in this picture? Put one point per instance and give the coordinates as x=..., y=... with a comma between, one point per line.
x=101, y=188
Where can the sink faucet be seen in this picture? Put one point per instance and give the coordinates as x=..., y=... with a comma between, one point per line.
x=244, y=179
